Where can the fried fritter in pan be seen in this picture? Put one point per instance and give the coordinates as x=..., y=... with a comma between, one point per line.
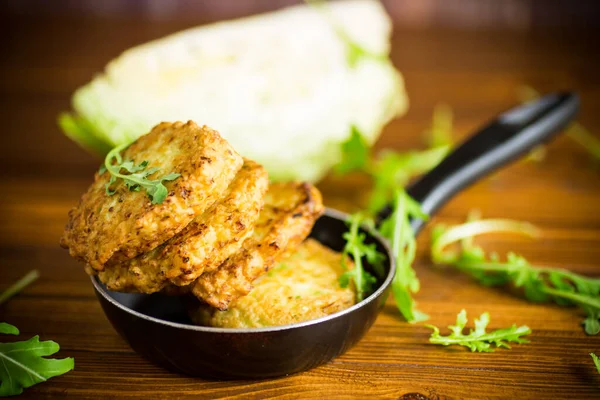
x=127, y=224
x=289, y=213
x=202, y=245
x=301, y=287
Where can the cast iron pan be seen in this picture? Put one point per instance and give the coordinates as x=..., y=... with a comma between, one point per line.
x=158, y=328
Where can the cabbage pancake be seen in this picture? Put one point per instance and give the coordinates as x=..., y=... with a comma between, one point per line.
x=127, y=223
x=302, y=287
x=288, y=216
x=202, y=246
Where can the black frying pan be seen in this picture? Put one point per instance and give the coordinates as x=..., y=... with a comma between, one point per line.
x=158, y=328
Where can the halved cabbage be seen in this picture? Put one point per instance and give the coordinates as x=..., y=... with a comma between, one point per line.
x=284, y=88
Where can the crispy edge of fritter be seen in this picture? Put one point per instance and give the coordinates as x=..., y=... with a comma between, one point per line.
x=288, y=216
x=203, y=245
x=274, y=301
x=127, y=223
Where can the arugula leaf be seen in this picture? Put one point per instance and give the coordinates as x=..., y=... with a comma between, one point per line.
x=396, y=228
x=479, y=339
x=596, y=361
x=23, y=364
x=137, y=177
x=21, y=284
x=391, y=170
x=440, y=132
x=355, y=153
x=539, y=284
x=357, y=248
x=591, y=324
x=575, y=130
x=8, y=329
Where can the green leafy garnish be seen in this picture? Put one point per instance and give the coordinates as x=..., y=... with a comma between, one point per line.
x=357, y=248
x=539, y=284
x=575, y=130
x=440, y=132
x=478, y=339
x=25, y=281
x=355, y=153
x=137, y=176
x=396, y=228
x=389, y=169
x=23, y=364
x=596, y=361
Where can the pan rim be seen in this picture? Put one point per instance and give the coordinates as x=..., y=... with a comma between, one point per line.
x=206, y=329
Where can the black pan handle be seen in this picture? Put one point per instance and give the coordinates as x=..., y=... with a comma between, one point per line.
x=505, y=139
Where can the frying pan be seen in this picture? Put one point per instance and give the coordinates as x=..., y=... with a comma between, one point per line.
x=158, y=328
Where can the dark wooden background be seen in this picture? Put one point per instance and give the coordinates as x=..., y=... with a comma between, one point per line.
x=473, y=65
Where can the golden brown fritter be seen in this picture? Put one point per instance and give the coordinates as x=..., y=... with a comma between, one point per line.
x=289, y=214
x=127, y=223
x=202, y=245
x=302, y=287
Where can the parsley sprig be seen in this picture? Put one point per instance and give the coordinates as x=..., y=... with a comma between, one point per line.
x=396, y=228
x=539, y=284
x=357, y=248
x=136, y=177
x=479, y=339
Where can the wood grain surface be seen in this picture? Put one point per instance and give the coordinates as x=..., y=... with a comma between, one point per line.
x=42, y=175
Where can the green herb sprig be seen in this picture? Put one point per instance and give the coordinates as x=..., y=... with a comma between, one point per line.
x=479, y=339
x=23, y=364
x=539, y=284
x=596, y=361
x=388, y=169
x=392, y=170
x=357, y=248
x=355, y=154
x=396, y=228
x=21, y=284
x=440, y=132
x=136, y=177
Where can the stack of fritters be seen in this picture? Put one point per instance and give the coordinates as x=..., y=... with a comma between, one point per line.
x=220, y=227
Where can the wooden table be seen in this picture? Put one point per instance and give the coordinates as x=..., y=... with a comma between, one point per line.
x=477, y=73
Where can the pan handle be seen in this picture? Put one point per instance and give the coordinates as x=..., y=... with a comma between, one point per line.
x=505, y=139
